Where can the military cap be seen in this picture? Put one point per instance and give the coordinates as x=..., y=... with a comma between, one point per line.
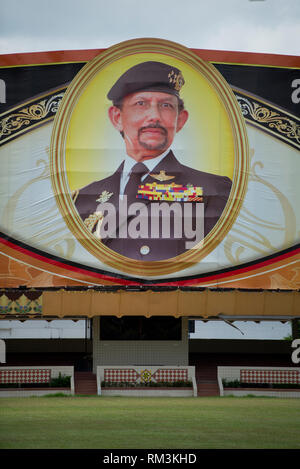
x=147, y=76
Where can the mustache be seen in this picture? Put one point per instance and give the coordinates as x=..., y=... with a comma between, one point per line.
x=153, y=126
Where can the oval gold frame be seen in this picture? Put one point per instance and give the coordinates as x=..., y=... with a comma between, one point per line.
x=59, y=176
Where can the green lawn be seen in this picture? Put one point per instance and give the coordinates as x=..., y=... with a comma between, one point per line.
x=146, y=423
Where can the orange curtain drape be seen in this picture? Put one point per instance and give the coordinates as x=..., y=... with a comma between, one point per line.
x=205, y=303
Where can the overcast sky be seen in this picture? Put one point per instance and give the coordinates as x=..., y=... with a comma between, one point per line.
x=270, y=26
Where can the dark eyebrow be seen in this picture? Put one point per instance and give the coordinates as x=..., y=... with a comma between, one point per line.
x=138, y=97
x=168, y=97
x=119, y=104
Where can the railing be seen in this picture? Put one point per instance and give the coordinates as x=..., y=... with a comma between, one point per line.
x=141, y=375
x=258, y=374
x=267, y=376
x=25, y=375
x=35, y=374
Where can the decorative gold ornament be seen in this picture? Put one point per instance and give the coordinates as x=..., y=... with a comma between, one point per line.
x=146, y=376
x=23, y=118
x=271, y=119
x=104, y=197
x=179, y=82
x=176, y=79
x=161, y=176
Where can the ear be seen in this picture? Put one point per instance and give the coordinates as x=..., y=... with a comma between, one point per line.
x=114, y=113
x=181, y=120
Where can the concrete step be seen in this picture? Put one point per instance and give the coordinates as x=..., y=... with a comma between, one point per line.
x=208, y=388
x=85, y=382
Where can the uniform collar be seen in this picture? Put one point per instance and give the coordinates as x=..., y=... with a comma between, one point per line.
x=130, y=162
x=151, y=163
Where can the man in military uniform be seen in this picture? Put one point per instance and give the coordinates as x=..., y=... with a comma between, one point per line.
x=148, y=112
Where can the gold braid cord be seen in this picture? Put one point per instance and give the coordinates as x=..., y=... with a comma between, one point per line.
x=93, y=222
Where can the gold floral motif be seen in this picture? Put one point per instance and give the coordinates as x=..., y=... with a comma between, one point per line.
x=21, y=306
x=25, y=117
x=146, y=376
x=274, y=120
x=244, y=236
x=54, y=238
x=104, y=197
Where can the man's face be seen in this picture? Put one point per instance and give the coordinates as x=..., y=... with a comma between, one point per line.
x=149, y=121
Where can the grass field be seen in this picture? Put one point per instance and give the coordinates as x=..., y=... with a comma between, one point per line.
x=147, y=423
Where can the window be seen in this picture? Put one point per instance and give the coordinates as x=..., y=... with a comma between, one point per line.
x=140, y=328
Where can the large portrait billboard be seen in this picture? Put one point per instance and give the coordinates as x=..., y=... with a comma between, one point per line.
x=149, y=165
x=124, y=111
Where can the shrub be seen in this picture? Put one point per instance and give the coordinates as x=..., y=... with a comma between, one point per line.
x=150, y=384
x=237, y=384
x=61, y=381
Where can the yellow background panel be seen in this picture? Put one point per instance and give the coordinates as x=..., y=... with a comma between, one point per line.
x=94, y=149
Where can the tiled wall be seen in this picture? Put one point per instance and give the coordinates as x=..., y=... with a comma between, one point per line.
x=168, y=352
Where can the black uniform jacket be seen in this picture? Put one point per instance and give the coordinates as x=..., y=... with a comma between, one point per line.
x=216, y=191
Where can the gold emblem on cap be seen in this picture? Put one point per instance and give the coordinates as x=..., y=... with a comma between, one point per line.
x=162, y=176
x=176, y=79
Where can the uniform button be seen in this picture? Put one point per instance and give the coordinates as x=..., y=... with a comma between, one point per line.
x=145, y=250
